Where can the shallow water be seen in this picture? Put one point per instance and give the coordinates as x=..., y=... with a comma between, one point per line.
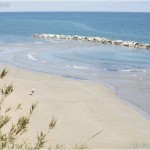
x=126, y=69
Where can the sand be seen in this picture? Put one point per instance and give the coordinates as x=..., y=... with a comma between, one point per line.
x=83, y=108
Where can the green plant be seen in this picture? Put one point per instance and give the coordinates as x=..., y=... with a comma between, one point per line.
x=80, y=146
x=8, y=109
x=18, y=106
x=3, y=73
x=52, y=123
x=33, y=106
x=40, y=140
x=3, y=120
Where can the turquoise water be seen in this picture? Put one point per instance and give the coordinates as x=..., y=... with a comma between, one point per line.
x=125, y=70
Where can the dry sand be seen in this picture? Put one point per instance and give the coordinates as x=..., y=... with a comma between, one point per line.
x=83, y=108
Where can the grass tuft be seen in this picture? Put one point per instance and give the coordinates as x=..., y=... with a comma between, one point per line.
x=80, y=146
x=18, y=106
x=4, y=120
x=52, y=123
x=7, y=90
x=40, y=140
x=33, y=106
x=3, y=73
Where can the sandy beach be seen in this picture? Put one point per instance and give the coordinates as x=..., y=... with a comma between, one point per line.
x=83, y=108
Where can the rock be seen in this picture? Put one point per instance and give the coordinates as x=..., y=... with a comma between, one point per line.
x=125, y=44
x=94, y=39
x=147, y=46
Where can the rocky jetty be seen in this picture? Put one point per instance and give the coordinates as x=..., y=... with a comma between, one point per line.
x=94, y=39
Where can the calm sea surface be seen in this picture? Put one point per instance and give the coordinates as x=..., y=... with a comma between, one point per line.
x=125, y=70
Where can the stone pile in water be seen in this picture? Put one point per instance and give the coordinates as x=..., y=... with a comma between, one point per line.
x=94, y=39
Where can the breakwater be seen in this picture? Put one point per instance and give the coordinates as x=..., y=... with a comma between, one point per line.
x=94, y=39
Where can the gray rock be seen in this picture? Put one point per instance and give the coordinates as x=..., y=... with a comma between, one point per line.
x=94, y=39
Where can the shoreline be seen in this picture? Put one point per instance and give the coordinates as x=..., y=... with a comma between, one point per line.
x=83, y=108
x=111, y=87
x=102, y=40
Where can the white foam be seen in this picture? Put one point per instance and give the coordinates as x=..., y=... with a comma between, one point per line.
x=31, y=57
x=126, y=70
x=144, y=70
x=79, y=67
x=131, y=70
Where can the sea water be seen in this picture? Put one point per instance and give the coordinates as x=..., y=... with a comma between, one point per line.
x=125, y=69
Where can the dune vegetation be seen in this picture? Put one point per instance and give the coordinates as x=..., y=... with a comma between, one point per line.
x=12, y=138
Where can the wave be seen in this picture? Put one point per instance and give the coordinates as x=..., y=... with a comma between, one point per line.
x=132, y=70
x=31, y=57
x=126, y=70
x=77, y=67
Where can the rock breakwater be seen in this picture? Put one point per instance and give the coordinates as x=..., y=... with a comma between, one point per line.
x=94, y=39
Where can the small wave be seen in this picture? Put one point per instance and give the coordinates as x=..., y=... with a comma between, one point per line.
x=144, y=71
x=126, y=70
x=31, y=57
x=112, y=69
x=79, y=67
x=122, y=70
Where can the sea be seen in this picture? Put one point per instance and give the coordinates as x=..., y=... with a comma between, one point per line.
x=126, y=71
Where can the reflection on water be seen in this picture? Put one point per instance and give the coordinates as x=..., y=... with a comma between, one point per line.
x=126, y=69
